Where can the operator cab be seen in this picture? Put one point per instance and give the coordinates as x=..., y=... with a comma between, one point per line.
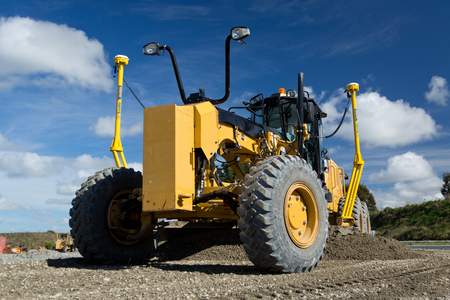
x=279, y=113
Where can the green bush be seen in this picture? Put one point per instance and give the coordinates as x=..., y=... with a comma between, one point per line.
x=49, y=245
x=426, y=221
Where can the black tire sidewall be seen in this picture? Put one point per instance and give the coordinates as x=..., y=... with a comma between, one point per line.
x=93, y=237
x=297, y=173
x=261, y=215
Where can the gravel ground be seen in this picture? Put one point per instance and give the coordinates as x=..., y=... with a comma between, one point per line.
x=34, y=256
x=211, y=273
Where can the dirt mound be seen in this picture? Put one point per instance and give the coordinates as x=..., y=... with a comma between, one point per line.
x=220, y=244
x=208, y=244
x=364, y=247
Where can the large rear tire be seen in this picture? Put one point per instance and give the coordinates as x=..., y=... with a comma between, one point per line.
x=105, y=213
x=283, y=216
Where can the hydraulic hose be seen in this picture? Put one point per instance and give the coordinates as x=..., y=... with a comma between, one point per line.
x=340, y=123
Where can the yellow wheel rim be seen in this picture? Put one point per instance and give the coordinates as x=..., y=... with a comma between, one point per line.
x=301, y=215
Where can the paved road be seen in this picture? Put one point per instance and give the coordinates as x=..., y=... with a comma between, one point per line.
x=429, y=247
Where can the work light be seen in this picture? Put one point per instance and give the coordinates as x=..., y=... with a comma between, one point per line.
x=240, y=33
x=152, y=48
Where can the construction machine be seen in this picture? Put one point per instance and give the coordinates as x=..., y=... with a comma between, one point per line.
x=263, y=170
x=64, y=242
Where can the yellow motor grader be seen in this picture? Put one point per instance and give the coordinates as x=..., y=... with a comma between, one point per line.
x=263, y=170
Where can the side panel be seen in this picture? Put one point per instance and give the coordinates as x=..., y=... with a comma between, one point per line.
x=334, y=180
x=168, y=179
x=206, y=128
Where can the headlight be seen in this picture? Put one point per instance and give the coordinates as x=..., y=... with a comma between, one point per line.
x=239, y=33
x=152, y=48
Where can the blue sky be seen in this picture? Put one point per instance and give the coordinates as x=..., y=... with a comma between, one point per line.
x=57, y=93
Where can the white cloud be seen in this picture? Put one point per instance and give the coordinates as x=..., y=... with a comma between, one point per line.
x=438, y=92
x=32, y=183
x=67, y=188
x=405, y=167
x=331, y=108
x=5, y=144
x=36, y=182
x=136, y=166
x=6, y=204
x=86, y=165
x=411, y=179
x=104, y=127
x=51, y=51
x=382, y=122
x=27, y=164
x=31, y=164
x=24, y=164
x=312, y=94
x=58, y=201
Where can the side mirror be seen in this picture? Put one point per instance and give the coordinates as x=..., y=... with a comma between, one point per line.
x=152, y=48
x=239, y=33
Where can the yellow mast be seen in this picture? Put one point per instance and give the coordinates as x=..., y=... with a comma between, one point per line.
x=358, y=163
x=116, y=146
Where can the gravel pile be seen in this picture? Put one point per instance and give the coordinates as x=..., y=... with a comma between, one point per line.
x=364, y=247
x=209, y=244
x=225, y=245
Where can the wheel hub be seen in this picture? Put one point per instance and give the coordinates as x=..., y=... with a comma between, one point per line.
x=301, y=215
x=124, y=216
x=297, y=213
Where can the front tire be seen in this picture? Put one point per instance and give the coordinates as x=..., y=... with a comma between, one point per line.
x=105, y=213
x=283, y=216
